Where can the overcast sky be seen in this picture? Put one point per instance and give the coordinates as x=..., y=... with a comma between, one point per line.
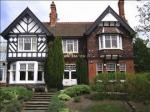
x=67, y=10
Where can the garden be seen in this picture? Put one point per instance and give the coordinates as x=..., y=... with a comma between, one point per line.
x=105, y=95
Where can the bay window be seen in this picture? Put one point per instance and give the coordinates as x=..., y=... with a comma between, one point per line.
x=110, y=42
x=27, y=44
x=70, y=46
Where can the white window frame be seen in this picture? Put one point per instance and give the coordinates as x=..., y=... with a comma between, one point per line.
x=3, y=68
x=119, y=42
x=40, y=70
x=65, y=50
x=23, y=44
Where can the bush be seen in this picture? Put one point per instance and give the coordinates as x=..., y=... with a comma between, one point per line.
x=64, y=97
x=56, y=105
x=12, y=97
x=77, y=90
x=77, y=99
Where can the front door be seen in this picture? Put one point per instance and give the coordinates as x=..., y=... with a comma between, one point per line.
x=69, y=77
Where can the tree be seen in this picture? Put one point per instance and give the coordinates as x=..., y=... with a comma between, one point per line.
x=141, y=56
x=144, y=20
x=81, y=70
x=54, y=65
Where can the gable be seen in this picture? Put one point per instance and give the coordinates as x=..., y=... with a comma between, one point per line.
x=109, y=17
x=26, y=23
x=105, y=15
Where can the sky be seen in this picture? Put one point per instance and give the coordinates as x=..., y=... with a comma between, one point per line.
x=70, y=11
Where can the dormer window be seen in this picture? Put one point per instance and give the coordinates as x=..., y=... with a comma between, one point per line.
x=27, y=44
x=70, y=46
x=110, y=42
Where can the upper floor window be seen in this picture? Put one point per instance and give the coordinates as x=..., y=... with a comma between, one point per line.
x=70, y=46
x=27, y=44
x=110, y=42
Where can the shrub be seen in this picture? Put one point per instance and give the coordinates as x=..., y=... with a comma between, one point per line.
x=12, y=97
x=77, y=90
x=56, y=105
x=64, y=97
x=77, y=99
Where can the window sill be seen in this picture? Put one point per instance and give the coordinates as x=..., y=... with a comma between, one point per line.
x=111, y=49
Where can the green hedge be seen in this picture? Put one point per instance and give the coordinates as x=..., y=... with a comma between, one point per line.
x=12, y=97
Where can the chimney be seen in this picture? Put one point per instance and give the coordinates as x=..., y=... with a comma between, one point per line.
x=121, y=9
x=53, y=15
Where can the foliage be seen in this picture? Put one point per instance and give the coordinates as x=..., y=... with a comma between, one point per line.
x=137, y=86
x=54, y=65
x=77, y=99
x=81, y=70
x=64, y=97
x=77, y=90
x=104, y=108
x=141, y=56
x=56, y=104
x=12, y=97
x=144, y=19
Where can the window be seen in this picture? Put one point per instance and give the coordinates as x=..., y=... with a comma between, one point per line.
x=14, y=72
x=27, y=44
x=40, y=72
x=70, y=46
x=99, y=68
x=66, y=75
x=110, y=42
x=26, y=71
x=122, y=67
x=111, y=67
x=1, y=74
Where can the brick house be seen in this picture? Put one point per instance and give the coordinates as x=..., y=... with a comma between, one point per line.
x=106, y=44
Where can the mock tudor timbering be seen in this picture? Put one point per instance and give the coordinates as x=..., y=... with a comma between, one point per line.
x=106, y=44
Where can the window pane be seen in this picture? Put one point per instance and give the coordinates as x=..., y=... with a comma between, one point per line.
x=27, y=43
x=120, y=42
x=64, y=45
x=70, y=48
x=22, y=75
x=30, y=66
x=22, y=66
x=40, y=75
x=75, y=45
x=1, y=74
x=40, y=67
x=14, y=75
x=66, y=75
x=99, y=67
x=114, y=41
x=111, y=67
x=122, y=67
x=13, y=67
x=107, y=41
x=34, y=44
x=20, y=44
x=101, y=42
x=30, y=75
x=73, y=75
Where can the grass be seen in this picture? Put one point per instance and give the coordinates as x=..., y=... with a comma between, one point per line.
x=104, y=108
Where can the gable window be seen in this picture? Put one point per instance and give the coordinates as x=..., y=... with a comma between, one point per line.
x=110, y=42
x=70, y=46
x=27, y=44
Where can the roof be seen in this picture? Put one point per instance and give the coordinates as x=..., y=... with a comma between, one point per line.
x=68, y=28
x=99, y=19
x=29, y=12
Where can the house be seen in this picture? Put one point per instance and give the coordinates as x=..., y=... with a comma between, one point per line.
x=106, y=44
